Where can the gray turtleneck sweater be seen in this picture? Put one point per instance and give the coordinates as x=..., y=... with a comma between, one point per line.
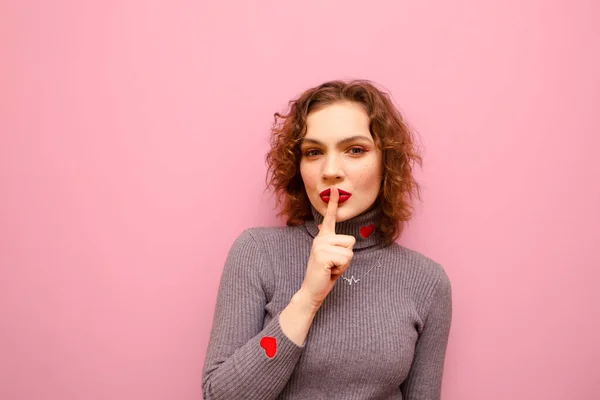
x=384, y=337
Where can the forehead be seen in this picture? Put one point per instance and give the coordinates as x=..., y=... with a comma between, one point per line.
x=337, y=121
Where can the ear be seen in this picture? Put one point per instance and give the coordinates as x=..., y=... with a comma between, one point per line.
x=319, y=227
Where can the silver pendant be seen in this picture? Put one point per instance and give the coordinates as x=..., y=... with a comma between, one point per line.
x=350, y=280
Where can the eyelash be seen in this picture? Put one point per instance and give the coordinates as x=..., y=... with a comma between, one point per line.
x=362, y=151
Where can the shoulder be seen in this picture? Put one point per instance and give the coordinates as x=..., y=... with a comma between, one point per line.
x=263, y=245
x=246, y=246
x=419, y=264
x=268, y=239
x=267, y=235
x=258, y=242
x=425, y=277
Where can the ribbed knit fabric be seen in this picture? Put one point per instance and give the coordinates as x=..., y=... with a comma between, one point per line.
x=384, y=337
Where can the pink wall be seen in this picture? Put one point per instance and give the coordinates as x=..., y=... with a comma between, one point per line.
x=129, y=128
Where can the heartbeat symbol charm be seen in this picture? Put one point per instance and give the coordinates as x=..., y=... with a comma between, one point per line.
x=349, y=280
x=352, y=279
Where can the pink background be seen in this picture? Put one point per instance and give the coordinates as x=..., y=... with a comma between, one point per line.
x=132, y=147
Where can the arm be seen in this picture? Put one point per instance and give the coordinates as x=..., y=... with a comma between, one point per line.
x=424, y=381
x=236, y=366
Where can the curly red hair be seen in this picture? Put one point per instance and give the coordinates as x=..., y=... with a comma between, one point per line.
x=389, y=131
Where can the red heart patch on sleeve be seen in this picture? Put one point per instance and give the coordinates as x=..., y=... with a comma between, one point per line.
x=269, y=343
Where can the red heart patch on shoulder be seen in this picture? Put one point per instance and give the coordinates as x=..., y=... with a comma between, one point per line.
x=366, y=231
x=269, y=343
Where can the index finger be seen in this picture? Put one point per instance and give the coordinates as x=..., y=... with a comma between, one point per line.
x=328, y=225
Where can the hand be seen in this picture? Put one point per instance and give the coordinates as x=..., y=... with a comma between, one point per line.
x=330, y=256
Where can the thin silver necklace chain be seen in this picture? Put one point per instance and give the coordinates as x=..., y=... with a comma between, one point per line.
x=353, y=280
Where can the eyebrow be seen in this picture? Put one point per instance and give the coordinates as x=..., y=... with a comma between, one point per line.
x=343, y=141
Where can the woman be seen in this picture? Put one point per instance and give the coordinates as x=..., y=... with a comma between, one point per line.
x=285, y=325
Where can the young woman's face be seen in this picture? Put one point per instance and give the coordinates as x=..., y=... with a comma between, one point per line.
x=338, y=151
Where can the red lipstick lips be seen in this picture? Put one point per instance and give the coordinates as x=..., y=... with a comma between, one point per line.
x=325, y=195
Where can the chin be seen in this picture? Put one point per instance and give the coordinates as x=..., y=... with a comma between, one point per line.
x=343, y=213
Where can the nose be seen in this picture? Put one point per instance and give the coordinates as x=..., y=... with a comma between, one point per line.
x=332, y=169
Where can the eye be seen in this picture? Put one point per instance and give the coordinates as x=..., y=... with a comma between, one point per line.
x=353, y=151
x=360, y=150
x=309, y=153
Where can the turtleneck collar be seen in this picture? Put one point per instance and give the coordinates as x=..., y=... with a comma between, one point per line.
x=364, y=227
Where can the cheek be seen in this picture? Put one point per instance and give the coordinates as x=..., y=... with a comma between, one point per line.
x=307, y=174
x=367, y=174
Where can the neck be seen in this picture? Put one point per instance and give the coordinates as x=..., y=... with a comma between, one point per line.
x=364, y=227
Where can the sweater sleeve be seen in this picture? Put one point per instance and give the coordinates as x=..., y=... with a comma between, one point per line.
x=424, y=380
x=236, y=366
